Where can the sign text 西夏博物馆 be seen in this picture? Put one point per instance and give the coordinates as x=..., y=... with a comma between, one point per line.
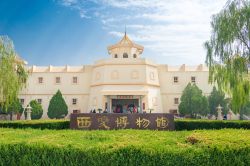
x=90, y=121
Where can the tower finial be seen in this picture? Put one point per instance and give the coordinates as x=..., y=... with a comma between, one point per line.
x=125, y=30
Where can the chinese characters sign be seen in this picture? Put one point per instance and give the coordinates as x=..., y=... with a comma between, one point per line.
x=154, y=121
x=125, y=97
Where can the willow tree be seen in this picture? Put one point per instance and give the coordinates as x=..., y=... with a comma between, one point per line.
x=228, y=51
x=13, y=75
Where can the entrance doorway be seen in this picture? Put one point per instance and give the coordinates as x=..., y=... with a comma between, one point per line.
x=125, y=105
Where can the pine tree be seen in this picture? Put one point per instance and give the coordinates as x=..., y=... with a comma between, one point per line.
x=193, y=103
x=57, y=106
x=217, y=98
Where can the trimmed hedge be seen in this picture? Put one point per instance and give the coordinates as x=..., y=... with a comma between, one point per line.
x=124, y=147
x=179, y=124
x=36, y=124
x=211, y=124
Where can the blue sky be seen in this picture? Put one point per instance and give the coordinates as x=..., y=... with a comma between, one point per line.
x=77, y=32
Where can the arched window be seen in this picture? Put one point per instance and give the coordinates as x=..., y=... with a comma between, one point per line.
x=134, y=56
x=116, y=56
x=125, y=55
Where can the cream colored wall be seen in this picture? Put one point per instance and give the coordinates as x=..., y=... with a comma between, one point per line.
x=48, y=88
x=125, y=77
x=114, y=77
x=171, y=90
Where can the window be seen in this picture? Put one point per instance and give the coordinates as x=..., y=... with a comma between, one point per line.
x=58, y=80
x=193, y=79
x=173, y=111
x=152, y=75
x=39, y=101
x=22, y=101
x=74, y=80
x=40, y=80
x=74, y=101
x=134, y=56
x=176, y=80
x=176, y=100
x=116, y=56
x=125, y=55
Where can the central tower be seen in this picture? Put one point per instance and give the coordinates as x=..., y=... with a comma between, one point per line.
x=125, y=49
x=125, y=80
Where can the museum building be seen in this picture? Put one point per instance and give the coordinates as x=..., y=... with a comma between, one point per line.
x=125, y=79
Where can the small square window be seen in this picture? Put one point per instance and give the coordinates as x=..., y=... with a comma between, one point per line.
x=176, y=100
x=193, y=80
x=75, y=80
x=176, y=80
x=39, y=101
x=40, y=80
x=58, y=80
x=74, y=101
x=22, y=101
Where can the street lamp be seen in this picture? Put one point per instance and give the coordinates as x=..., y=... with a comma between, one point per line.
x=29, y=108
x=219, y=111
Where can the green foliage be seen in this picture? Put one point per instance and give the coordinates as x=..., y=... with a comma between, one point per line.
x=14, y=107
x=13, y=75
x=57, y=106
x=193, y=102
x=36, y=124
x=124, y=147
x=37, y=110
x=210, y=124
x=215, y=99
x=228, y=52
x=179, y=124
x=246, y=109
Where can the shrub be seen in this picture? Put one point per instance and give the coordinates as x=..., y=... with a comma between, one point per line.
x=210, y=124
x=37, y=124
x=179, y=124
x=124, y=147
x=57, y=106
x=37, y=110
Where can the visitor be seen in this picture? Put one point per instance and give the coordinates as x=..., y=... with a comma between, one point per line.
x=124, y=108
x=130, y=109
x=135, y=109
x=94, y=111
x=138, y=109
x=225, y=117
x=105, y=111
x=91, y=111
x=118, y=110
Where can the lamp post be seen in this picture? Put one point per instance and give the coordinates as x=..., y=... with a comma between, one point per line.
x=28, y=112
x=219, y=111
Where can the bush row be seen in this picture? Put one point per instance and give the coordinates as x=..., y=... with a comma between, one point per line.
x=127, y=156
x=124, y=147
x=36, y=124
x=179, y=124
x=211, y=124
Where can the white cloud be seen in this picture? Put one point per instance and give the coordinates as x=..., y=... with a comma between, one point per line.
x=168, y=28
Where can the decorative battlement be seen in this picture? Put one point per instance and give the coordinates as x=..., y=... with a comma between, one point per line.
x=58, y=69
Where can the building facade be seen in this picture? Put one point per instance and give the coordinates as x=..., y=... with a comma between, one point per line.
x=125, y=79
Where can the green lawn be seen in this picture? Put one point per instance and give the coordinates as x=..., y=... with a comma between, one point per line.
x=125, y=147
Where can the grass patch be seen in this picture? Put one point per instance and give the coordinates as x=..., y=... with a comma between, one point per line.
x=124, y=147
